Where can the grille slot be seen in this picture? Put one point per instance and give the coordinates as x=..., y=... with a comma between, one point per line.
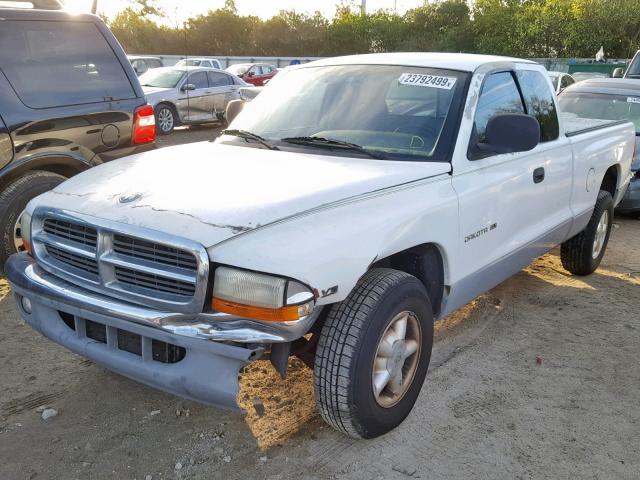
x=154, y=282
x=61, y=229
x=153, y=252
x=77, y=261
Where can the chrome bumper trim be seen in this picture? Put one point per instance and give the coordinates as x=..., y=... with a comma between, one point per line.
x=24, y=274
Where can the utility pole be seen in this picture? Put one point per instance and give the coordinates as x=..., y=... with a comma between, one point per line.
x=364, y=7
x=94, y=7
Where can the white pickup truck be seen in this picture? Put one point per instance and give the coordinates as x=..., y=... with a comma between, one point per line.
x=347, y=207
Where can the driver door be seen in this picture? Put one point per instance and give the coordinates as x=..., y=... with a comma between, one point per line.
x=506, y=206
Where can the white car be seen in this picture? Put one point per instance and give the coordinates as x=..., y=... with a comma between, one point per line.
x=350, y=204
x=199, y=62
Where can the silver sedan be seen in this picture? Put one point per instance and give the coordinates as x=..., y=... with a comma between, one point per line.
x=182, y=95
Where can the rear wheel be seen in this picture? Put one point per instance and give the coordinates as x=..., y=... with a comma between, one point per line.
x=165, y=118
x=582, y=254
x=13, y=201
x=373, y=354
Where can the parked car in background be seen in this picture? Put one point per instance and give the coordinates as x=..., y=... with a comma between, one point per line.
x=254, y=73
x=186, y=95
x=69, y=100
x=199, y=62
x=351, y=204
x=581, y=76
x=632, y=70
x=144, y=64
x=560, y=80
x=611, y=99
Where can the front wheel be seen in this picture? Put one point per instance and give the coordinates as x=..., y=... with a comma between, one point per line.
x=582, y=254
x=165, y=119
x=373, y=354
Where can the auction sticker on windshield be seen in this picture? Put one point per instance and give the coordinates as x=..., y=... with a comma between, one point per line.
x=433, y=81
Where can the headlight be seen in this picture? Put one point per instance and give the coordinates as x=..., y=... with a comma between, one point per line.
x=25, y=231
x=260, y=296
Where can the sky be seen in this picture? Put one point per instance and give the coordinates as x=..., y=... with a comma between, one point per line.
x=179, y=10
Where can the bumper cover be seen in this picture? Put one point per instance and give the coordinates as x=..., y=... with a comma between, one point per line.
x=208, y=373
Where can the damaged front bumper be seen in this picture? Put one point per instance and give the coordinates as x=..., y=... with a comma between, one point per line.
x=130, y=339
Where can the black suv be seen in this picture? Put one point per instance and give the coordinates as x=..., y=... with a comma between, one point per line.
x=69, y=100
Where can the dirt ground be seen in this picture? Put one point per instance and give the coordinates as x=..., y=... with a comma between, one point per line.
x=539, y=378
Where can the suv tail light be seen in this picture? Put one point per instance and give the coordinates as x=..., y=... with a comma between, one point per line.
x=144, y=125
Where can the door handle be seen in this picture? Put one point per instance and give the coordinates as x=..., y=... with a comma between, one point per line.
x=538, y=175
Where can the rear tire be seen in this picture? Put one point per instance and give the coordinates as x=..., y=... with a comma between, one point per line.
x=582, y=254
x=13, y=201
x=360, y=345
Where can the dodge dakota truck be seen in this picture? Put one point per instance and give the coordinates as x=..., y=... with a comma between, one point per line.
x=348, y=206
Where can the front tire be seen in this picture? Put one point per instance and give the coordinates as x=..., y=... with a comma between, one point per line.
x=582, y=254
x=13, y=201
x=165, y=119
x=373, y=354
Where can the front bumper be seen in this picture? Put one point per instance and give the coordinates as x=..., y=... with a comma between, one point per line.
x=208, y=373
x=631, y=200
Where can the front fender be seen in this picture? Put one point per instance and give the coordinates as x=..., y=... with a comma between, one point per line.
x=330, y=249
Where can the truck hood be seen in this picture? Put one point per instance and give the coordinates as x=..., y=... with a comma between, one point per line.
x=211, y=192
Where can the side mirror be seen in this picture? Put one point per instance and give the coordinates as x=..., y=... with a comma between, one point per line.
x=234, y=107
x=510, y=133
x=188, y=87
x=618, y=72
x=251, y=74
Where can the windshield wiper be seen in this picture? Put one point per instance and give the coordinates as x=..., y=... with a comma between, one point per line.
x=329, y=143
x=249, y=136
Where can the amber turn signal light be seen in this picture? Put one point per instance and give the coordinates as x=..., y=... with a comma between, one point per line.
x=282, y=314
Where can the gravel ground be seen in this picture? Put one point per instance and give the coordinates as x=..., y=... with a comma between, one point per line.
x=536, y=379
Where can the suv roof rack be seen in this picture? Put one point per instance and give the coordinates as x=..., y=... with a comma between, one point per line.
x=37, y=4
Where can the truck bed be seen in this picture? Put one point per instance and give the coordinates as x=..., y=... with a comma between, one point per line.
x=574, y=125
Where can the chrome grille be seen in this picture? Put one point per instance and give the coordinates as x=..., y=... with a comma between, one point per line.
x=127, y=262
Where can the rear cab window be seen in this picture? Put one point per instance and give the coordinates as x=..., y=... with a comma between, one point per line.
x=539, y=103
x=53, y=64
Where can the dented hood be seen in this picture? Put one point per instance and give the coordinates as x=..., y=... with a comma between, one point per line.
x=210, y=192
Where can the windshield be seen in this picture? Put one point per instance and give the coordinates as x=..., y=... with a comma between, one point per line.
x=238, y=69
x=399, y=112
x=602, y=106
x=161, y=79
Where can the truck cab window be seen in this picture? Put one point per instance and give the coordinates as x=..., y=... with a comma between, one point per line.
x=499, y=95
x=539, y=101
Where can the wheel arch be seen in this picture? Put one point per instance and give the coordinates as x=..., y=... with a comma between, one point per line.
x=427, y=262
x=610, y=180
x=173, y=106
x=64, y=165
